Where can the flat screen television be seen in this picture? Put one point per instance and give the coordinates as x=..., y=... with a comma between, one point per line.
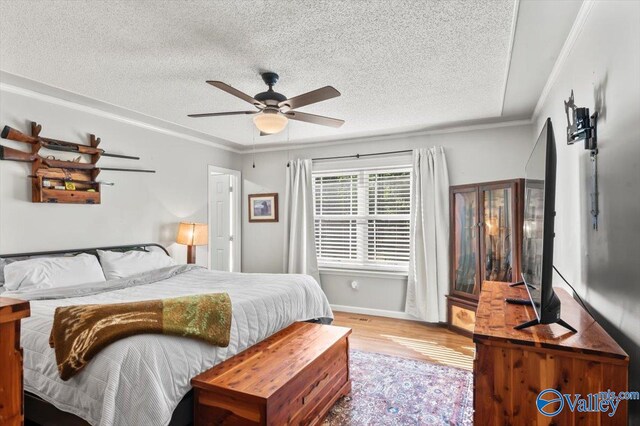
x=538, y=230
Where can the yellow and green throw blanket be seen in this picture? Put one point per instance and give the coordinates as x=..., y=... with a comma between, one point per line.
x=80, y=332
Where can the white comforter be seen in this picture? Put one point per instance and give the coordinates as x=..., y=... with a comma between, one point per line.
x=141, y=379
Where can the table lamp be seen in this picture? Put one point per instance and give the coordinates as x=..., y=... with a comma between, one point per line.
x=192, y=235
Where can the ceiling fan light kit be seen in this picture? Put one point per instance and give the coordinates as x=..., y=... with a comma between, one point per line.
x=270, y=121
x=274, y=110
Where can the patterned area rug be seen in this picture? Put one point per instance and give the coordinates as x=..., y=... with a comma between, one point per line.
x=388, y=390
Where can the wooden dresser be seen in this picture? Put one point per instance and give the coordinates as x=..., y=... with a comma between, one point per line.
x=293, y=377
x=11, y=394
x=512, y=367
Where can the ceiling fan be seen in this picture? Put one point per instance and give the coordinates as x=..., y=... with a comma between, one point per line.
x=274, y=110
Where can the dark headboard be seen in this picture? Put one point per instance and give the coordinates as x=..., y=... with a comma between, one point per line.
x=93, y=251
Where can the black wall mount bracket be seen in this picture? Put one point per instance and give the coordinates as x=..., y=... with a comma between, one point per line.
x=582, y=126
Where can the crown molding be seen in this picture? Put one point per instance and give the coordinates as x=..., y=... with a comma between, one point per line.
x=574, y=33
x=23, y=86
x=13, y=83
x=394, y=136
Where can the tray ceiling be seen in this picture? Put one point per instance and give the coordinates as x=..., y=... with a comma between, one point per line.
x=400, y=65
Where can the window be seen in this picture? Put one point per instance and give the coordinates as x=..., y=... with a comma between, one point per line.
x=362, y=218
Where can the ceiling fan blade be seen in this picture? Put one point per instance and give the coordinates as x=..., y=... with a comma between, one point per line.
x=218, y=114
x=235, y=92
x=312, y=97
x=315, y=119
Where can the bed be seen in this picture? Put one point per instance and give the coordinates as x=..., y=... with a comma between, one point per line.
x=145, y=379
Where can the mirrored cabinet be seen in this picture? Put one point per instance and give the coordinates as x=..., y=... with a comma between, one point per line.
x=485, y=239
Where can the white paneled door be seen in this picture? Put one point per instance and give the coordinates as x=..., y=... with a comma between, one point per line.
x=220, y=220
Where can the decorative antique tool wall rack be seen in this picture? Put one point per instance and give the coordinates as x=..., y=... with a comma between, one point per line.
x=61, y=181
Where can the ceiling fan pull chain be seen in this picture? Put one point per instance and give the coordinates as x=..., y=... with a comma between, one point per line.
x=288, y=147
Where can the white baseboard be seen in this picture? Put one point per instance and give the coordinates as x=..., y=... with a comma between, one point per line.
x=376, y=312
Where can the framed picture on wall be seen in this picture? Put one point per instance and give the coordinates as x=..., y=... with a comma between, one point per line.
x=263, y=207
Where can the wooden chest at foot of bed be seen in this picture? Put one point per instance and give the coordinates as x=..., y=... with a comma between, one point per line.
x=293, y=377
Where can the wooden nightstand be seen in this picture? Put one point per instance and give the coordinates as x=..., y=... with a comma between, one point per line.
x=11, y=393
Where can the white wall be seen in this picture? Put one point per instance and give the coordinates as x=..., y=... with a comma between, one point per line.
x=603, y=69
x=472, y=156
x=139, y=208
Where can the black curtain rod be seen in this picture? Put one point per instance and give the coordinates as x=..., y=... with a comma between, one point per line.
x=362, y=155
x=404, y=151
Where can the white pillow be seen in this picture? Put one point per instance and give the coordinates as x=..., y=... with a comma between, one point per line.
x=120, y=265
x=4, y=263
x=50, y=272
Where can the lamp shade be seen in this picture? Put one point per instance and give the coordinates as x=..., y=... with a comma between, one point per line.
x=192, y=234
x=270, y=122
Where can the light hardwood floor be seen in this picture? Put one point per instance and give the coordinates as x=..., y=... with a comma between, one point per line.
x=408, y=339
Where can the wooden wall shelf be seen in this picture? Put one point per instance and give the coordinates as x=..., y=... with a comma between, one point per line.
x=61, y=181
x=57, y=176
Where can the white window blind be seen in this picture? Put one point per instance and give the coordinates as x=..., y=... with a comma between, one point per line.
x=362, y=218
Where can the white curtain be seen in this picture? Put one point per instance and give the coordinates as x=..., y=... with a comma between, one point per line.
x=299, y=239
x=429, y=256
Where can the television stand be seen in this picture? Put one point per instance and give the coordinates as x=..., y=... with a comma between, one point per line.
x=511, y=367
x=537, y=322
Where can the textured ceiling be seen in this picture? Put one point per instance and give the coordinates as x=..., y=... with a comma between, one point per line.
x=400, y=65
